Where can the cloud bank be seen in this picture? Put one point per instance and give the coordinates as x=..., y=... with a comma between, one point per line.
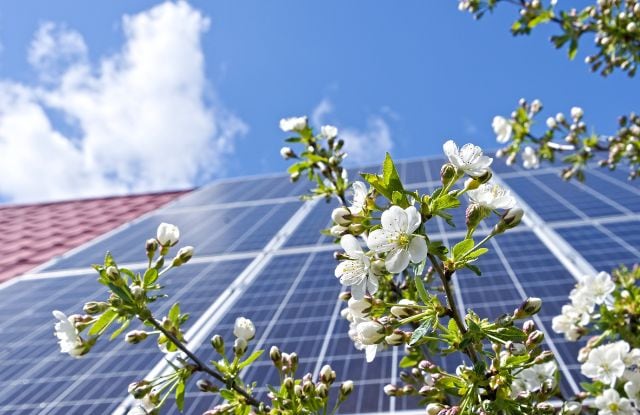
x=143, y=119
x=363, y=146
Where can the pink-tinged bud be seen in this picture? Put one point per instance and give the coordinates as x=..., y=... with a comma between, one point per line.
x=391, y=390
x=434, y=408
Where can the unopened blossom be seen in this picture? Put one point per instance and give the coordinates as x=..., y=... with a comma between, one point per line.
x=293, y=124
x=492, y=196
x=576, y=113
x=604, y=364
x=469, y=158
x=359, y=342
x=286, y=153
x=370, y=332
x=530, y=158
x=359, y=308
x=397, y=240
x=355, y=272
x=610, y=403
x=244, y=329
x=359, y=197
x=69, y=339
x=503, y=129
x=167, y=234
x=536, y=106
x=400, y=311
x=551, y=123
x=329, y=131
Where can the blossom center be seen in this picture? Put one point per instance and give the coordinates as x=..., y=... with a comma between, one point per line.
x=403, y=241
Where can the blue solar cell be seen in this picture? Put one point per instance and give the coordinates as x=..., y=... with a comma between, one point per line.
x=616, y=191
x=211, y=231
x=542, y=202
x=629, y=232
x=597, y=247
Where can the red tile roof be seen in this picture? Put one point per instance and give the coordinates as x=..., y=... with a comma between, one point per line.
x=33, y=234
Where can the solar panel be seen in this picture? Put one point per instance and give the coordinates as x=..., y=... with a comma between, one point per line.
x=260, y=254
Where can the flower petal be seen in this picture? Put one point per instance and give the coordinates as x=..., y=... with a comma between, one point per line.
x=358, y=290
x=418, y=249
x=351, y=246
x=450, y=148
x=413, y=219
x=394, y=219
x=372, y=284
x=397, y=261
x=381, y=240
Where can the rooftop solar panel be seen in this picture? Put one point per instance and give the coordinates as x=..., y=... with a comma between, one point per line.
x=290, y=292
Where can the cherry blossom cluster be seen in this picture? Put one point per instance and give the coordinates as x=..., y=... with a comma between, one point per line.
x=567, y=136
x=613, y=24
x=129, y=299
x=605, y=307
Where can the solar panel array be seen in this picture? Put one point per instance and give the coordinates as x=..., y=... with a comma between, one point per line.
x=260, y=255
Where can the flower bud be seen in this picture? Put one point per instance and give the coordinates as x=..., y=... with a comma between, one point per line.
x=139, y=389
x=206, y=386
x=288, y=382
x=344, y=296
x=345, y=390
x=287, y=153
x=337, y=231
x=217, y=342
x=151, y=246
x=356, y=228
x=276, y=356
x=535, y=338
x=244, y=329
x=327, y=375
x=137, y=291
x=543, y=357
x=297, y=390
x=370, y=332
x=112, y=273
x=403, y=309
x=474, y=215
x=95, y=307
x=135, y=336
x=434, y=408
x=447, y=174
x=510, y=219
x=341, y=216
x=360, y=308
x=551, y=123
x=183, y=256
x=396, y=338
x=529, y=307
x=240, y=347
x=485, y=177
x=516, y=349
x=528, y=326
x=167, y=234
x=293, y=359
x=471, y=184
x=576, y=113
x=391, y=390
x=322, y=390
x=294, y=176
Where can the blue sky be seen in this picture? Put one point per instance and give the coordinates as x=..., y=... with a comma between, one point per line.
x=405, y=75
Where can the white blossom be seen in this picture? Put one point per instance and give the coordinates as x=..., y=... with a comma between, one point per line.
x=536, y=106
x=469, y=158
x=359, y=308
x=356, y=272
x=503, y=129
x=535, y=377
x=605, y=363
x=551, y=123
x=144, y=407
x=396, y=238
x=592, y=289
x=244, y=329
x=576, y=113
x=632, y=388
x=68, y=337
x=492, y=196
x=329, y=131
x=530, y=158
x=286, y=153
x=359, y=197
x=571, y=321
x=610, y=403
x=167, y=234
x=293, y=124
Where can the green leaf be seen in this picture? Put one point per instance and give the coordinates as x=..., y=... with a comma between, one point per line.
x=422, y=292
x=250, y=359
x=473, y=268
x=425, y=328
x=120, y=329
x=543, y=17
x=103, y=322
x=476, y=253
x=180, y=395
x=408, y=361
x=462, y=248
x=377, y=183
x=150, y=276
x=445, y=201
x=573, y=48
x=174, y=312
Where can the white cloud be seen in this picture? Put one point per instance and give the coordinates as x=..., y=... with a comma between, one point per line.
x=369, y=145
x=363, y=146
x=144, y=116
